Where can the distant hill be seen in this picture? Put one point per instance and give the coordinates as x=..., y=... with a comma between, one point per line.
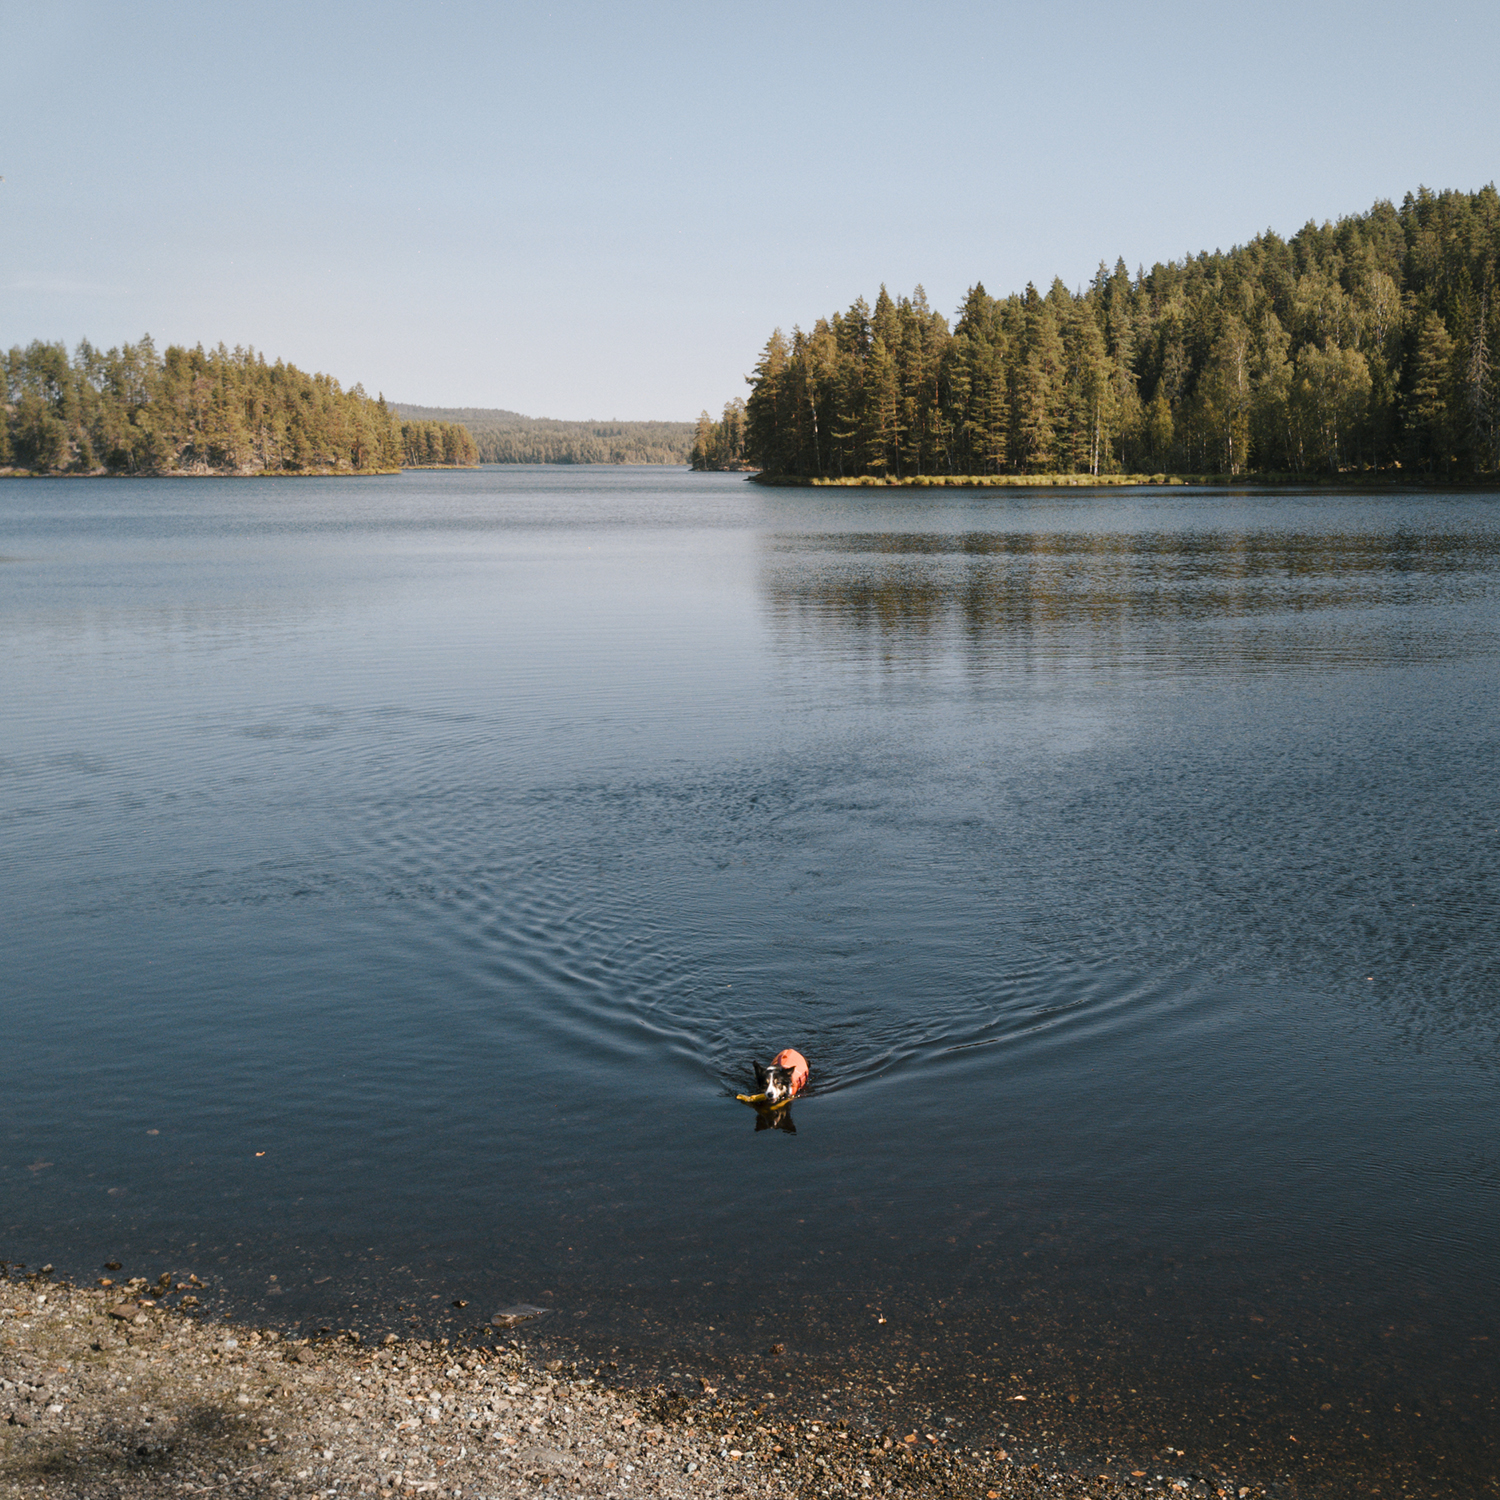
x=465, y=414
x=508, y=437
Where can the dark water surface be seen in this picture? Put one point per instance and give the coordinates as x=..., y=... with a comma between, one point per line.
x=1125, y=864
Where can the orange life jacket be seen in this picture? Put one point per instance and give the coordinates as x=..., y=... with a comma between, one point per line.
x=797, y=1063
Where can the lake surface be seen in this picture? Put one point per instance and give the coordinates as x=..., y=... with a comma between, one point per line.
x=401, y=875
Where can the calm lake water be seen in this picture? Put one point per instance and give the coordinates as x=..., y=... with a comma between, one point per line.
x=401, y=875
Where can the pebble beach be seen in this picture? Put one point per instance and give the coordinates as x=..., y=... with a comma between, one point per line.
x=106, y=1392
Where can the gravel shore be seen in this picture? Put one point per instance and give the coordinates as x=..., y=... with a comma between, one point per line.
x=106, y=1393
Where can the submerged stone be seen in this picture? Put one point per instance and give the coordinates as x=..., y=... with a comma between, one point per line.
x=508, y=1317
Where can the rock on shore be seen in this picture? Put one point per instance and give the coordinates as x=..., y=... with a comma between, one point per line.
x=103, y=1393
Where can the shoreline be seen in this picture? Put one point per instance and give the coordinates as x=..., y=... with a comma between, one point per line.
x=106, y=1391
x=23, y=474
x=225, y=473
x=1354, y=482
x=1359, y=484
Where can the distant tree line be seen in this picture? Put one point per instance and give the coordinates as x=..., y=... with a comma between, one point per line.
x=507, y=437
x=581, y=443
x=1361, y=345
x=426, y=445
x=217, y=411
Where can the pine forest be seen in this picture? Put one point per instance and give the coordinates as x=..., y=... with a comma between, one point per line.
x=191, y=411
x=1359, y=347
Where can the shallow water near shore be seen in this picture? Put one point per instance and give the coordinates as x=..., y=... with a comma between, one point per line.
x=401, y=876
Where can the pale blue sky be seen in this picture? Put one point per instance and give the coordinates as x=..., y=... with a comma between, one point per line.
x=590, y=210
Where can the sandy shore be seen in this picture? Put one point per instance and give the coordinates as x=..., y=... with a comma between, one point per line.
x=104, y=1393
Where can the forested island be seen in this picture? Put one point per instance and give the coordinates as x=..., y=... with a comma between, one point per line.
x=195, y=411
x=506, y=437
x=1359, y=347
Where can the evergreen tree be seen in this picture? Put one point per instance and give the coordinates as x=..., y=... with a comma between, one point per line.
x=1429, y=428
x=1090, y=395
x=886, y=429
x=1038, y=385
x=766, y=418
x=1479, y=393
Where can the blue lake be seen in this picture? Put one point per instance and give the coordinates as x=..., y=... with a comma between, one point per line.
x=401, y=875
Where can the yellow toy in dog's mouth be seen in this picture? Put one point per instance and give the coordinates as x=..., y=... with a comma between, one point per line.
x=762, y=1101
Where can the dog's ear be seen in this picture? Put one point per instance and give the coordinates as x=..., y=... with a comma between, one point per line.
x=760, y=1076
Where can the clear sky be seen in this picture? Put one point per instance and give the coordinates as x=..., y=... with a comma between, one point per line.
x=584, y=209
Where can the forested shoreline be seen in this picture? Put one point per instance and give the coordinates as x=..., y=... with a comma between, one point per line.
x=221, y=411
x=1355, y=348
x=507, y=437
x=437, y=445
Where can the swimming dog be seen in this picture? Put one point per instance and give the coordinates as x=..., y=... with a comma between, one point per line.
x=781, y=1082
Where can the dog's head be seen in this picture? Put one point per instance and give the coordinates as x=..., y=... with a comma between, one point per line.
x=774, y=1082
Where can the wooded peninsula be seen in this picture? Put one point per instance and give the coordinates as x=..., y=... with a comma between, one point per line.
x=191, y=411
x=1356, y=348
